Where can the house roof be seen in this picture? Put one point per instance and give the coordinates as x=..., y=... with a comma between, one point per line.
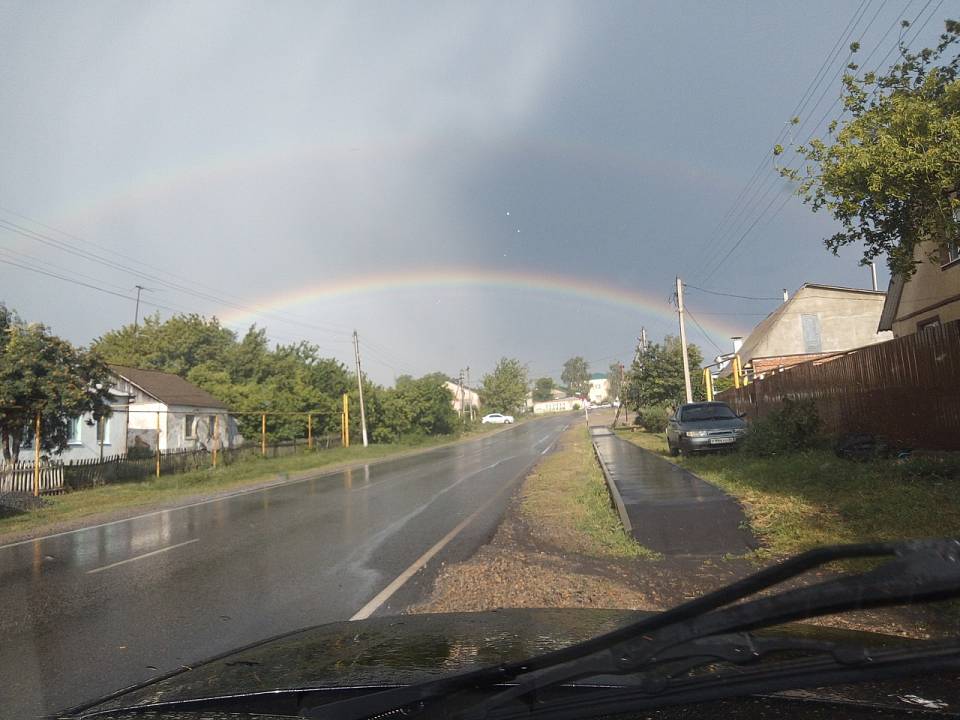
x=598, y=376
x=892, y=303
x=167, y=388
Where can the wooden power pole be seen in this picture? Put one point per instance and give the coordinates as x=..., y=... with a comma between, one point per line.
x=363, y=414
x=683, y=343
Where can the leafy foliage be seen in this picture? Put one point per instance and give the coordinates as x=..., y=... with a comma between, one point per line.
x=576, y=376
x=652, y=418
x=656, y=376
x=613, y=377
x=505, y=389
x=41, y=373
x=415, y=408
x=542, y=389
x=889, y=171
x=794, y=426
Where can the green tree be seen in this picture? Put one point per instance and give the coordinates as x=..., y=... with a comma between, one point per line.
x=888, y=173
x=415, y=408
x=613, y=377
x=656, y=376
x=542, y=389
x=576, y=376
x=505, y=389
x=43, y=374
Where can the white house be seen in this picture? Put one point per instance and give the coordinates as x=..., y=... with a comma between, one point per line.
x=599, y=388
x=470, y=397
x=166, y=409
x=143, y=401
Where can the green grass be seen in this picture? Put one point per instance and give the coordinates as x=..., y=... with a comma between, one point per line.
x=567, y=500
x=89, y=504
x=802, y=500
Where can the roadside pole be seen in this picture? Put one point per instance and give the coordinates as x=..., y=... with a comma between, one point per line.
x=310, y=431
x=363, y=414
x=158, y=443
x=36, y=457
x=345, y=422
x=216, y=438
x=683, y=343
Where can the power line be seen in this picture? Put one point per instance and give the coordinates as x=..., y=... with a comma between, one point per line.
x=705, y=333
x=715, y=292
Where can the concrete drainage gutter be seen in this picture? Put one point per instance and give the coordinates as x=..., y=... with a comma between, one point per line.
x=614, y=492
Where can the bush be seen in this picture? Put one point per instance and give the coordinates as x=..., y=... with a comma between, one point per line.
x=793, y=427
x=652, y=418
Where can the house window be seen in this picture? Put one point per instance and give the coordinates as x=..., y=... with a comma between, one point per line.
x=951, y=253
x=73, y=431
x=928, y=325
x=103, y=431
x=189, y=423
x=811, y=333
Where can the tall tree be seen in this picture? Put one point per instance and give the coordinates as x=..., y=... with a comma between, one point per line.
x=889, y=173
x=613, y=377
x=505, y=389
x=576, y=376
x=43, y=374
x=656, y=377
x=543, y=389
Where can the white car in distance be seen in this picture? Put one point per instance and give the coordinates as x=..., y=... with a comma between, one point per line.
x=497, y=418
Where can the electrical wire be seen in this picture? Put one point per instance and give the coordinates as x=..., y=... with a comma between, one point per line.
x=704, y=332
x=724, y=294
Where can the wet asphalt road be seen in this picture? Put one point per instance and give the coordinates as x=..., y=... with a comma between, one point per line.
x=88, y=612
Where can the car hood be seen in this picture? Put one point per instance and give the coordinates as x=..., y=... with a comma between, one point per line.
x=728, y=424
x=406, y=649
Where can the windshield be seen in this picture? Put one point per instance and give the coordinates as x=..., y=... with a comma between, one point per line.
x=713, y=411
x=378, y=313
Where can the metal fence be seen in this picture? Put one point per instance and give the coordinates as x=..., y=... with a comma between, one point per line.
x=906, y=390
x=56, y=476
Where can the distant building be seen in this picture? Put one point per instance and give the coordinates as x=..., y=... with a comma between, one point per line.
x=557, y=405
x=599, y=390
x=817, y=321
x=471, y=398
x=930, y=297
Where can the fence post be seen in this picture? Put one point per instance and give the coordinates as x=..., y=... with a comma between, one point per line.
x=216, y=438
x=158, y=443
x=36, y=458
x=263, y=435
x=310, y=431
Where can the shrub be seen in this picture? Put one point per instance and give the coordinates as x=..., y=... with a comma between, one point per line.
x=652, y=418
x=794, y=426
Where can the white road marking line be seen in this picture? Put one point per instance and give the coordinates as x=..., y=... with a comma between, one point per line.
x=141, y=557
x=381, y=597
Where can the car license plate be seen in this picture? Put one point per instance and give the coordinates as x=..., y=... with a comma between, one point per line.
x=721, y=441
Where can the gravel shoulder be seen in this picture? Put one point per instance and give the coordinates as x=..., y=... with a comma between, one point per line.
x=541, y=556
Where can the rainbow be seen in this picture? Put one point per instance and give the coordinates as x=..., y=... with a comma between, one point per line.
x=639, y=304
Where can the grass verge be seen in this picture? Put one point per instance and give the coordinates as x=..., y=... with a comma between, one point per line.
x=97, y=503
x=799, y=501
x=567, y=500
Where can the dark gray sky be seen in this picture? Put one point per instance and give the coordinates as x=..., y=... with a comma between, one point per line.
x=383, y=164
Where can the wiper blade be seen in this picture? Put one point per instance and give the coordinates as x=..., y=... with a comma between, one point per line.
x=919, y=571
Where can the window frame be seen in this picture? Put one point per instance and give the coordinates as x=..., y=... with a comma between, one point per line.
x=76, y=426
x=103, y=437
x=189, y=420
x=928, y=324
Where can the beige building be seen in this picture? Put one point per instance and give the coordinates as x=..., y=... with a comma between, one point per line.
x=557, y=405
x=818, y=320
x=599, y=389
x=930, y=297
x=470, y=397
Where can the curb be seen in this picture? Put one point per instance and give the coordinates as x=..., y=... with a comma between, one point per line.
x=614, y=492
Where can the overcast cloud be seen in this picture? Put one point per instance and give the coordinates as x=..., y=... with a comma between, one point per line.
x=250, y=149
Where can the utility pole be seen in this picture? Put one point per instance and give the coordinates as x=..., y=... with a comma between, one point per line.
x=460, y=386
x=683, y=342
x=363, y=415
x=873, y=274
x=468, y=395
x=136, y=312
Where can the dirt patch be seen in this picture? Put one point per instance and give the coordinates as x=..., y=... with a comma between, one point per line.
x=540, y=556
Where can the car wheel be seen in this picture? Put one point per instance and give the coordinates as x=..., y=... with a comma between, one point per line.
x=673, y=451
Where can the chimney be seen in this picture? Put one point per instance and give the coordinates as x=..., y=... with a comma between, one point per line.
x=786, y=295
x=737, y=344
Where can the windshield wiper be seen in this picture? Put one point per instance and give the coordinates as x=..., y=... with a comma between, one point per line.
x=660, y=651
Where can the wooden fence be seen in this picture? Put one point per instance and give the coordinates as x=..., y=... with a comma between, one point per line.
x=906, y=390
x=57, y=476
x=18, y=477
